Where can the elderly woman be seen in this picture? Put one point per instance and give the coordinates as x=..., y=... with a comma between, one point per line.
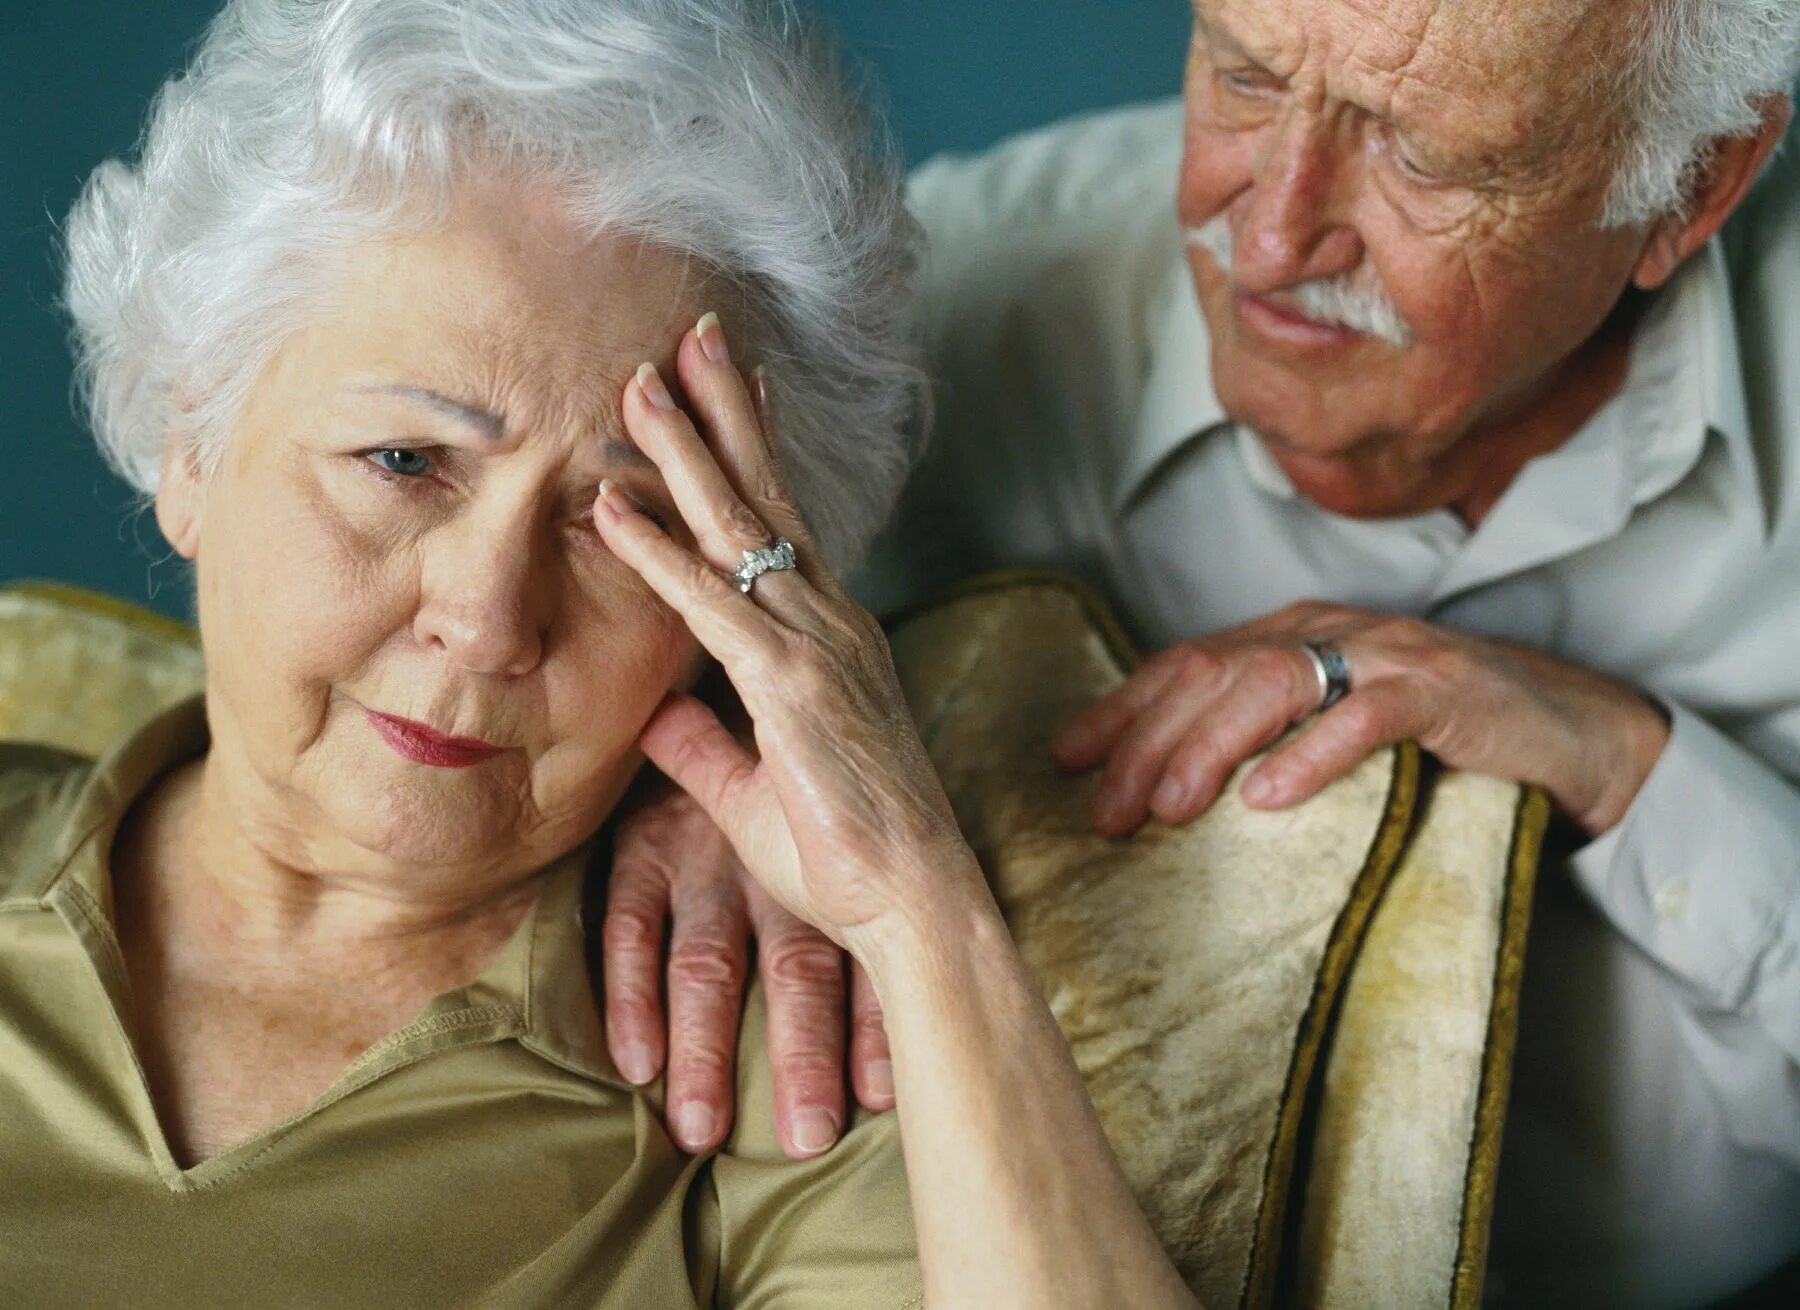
x=406, y=321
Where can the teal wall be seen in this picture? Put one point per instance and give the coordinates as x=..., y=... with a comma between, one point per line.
x=76, y=75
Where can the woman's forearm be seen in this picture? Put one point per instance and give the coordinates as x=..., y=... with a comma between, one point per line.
x=1017, y=1198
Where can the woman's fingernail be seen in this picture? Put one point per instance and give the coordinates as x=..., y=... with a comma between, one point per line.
x=814, y=1129
x=1169, y=794
x=880, y=1078
x=712, y=338
x=694, y=1123
x=651, y=384
x=635, y=1063
x=1260, y=789
x=617, y=499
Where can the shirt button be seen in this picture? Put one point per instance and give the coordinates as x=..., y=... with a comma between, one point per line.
x=1670, y=900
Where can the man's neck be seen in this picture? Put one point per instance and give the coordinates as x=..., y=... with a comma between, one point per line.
x=1385, y=480
x=1480, y=468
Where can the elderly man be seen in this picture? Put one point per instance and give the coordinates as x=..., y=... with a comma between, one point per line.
x=1443, y=358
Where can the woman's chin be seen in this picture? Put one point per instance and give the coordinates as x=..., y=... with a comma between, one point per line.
x=415, y=815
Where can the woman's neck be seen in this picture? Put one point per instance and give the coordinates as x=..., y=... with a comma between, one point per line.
x=221, y=879
x=256, y=980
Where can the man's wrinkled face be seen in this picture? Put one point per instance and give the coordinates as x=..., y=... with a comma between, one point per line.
x=402, y=524
x=1430, y=172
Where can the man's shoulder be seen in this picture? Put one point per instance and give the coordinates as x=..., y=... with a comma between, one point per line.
x=1064, y=233
x=38, y=786
x=1081, y=170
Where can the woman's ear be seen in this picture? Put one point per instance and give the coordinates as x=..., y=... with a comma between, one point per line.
x=179, y=497
x=1734, y=164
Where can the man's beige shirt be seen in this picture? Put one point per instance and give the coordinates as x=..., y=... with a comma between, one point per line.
x=487, y=1153
x=1653, y=1145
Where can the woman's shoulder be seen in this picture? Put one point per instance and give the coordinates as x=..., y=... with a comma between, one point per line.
x=38, y=785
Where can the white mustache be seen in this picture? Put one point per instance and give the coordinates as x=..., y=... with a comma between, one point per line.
x=1336, y=300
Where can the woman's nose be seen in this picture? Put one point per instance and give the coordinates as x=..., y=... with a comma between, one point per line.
x=483, y=601
x=1290, y=224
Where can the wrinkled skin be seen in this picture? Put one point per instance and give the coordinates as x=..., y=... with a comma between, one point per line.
x=303, y=889
x=1413, y=146
x=1441, y=150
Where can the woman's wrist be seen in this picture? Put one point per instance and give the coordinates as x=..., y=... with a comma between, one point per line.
x=953, y=920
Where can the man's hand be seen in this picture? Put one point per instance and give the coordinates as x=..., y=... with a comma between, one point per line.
x=1174, y=732
x=670, y=861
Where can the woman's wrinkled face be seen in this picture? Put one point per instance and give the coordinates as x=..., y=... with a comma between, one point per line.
x=402, y=525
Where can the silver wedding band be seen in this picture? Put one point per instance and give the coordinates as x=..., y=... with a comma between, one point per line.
x=776, y=559
x=1333, y=669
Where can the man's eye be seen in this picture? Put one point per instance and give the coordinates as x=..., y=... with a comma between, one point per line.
x=1404, y=163
x=1251, y=81
x=402, y=463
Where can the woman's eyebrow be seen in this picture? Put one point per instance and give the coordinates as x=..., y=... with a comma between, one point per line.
x=484, y=423
x=491, y=426
x=614, y=451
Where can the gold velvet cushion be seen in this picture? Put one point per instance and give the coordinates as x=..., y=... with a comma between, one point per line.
x=1203, y=975
x=1195, y=970
x=78, y=670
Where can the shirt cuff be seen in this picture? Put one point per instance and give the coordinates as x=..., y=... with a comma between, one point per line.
x=1699, y=874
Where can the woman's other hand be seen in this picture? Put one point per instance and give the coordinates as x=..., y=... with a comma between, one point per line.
x=838, y=813
x=672, y=866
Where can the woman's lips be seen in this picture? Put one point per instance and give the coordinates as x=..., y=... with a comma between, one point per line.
x=424, y=745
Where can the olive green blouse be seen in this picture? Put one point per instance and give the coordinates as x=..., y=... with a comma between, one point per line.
x=487, y=1153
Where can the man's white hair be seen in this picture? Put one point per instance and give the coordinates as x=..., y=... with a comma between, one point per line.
x=1693, y=73
x=723, y=128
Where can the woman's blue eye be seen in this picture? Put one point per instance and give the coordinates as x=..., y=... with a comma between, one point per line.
x=405, y=463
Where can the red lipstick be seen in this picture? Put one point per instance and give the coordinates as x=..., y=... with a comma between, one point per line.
x=425, y=745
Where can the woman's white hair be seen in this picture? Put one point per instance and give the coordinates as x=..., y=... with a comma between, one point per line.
x=723, y=128
x=1693, y=73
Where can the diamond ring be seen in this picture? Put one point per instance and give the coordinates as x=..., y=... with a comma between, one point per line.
x=758, y=562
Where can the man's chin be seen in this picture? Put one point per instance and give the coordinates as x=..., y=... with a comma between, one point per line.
x=1339, y=483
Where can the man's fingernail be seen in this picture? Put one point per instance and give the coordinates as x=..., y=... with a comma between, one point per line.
x=880, y=1078
x=1260, y=789
x=651, y=384
x=712, y=338
x=694, y=1124
x=1169, y=794
x=814, y=1130
x=635, y=1063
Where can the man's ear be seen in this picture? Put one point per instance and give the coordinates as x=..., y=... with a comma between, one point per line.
x=180, y=495
x=1733, y=167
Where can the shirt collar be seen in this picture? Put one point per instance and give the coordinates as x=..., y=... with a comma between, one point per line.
x=1711, y=317
x=1685, y=382
x=539, y=984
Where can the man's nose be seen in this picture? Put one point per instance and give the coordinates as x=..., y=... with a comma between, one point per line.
x=483, y=599
x=1290, y=224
